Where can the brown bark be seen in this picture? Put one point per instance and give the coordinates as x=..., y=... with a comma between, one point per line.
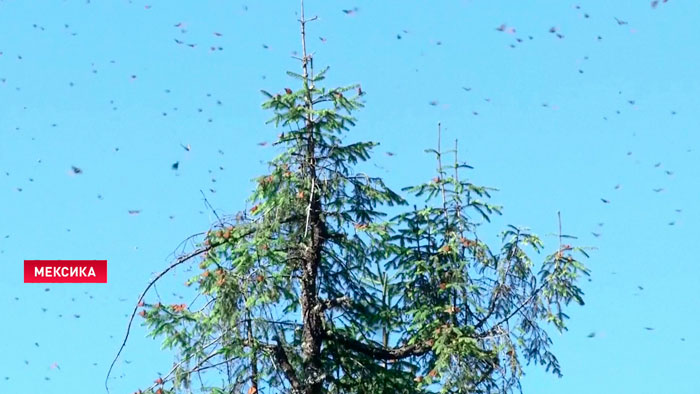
x=312, y=332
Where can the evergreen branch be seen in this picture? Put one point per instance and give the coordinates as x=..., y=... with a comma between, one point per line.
x=379, y=352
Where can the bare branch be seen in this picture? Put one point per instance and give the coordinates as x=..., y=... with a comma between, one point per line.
x=324, y=305
x=179, y=261
x=283, y=362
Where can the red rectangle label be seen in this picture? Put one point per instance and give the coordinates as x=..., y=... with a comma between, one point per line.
x=65, y=271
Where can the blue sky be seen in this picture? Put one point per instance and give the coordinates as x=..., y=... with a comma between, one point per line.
x=555, y=123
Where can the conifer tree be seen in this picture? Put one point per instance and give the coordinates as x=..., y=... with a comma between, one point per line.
x=317, y=289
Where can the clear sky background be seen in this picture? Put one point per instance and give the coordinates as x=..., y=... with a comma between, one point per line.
x=608, y=110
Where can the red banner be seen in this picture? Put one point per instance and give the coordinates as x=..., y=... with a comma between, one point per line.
x=65, y=271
